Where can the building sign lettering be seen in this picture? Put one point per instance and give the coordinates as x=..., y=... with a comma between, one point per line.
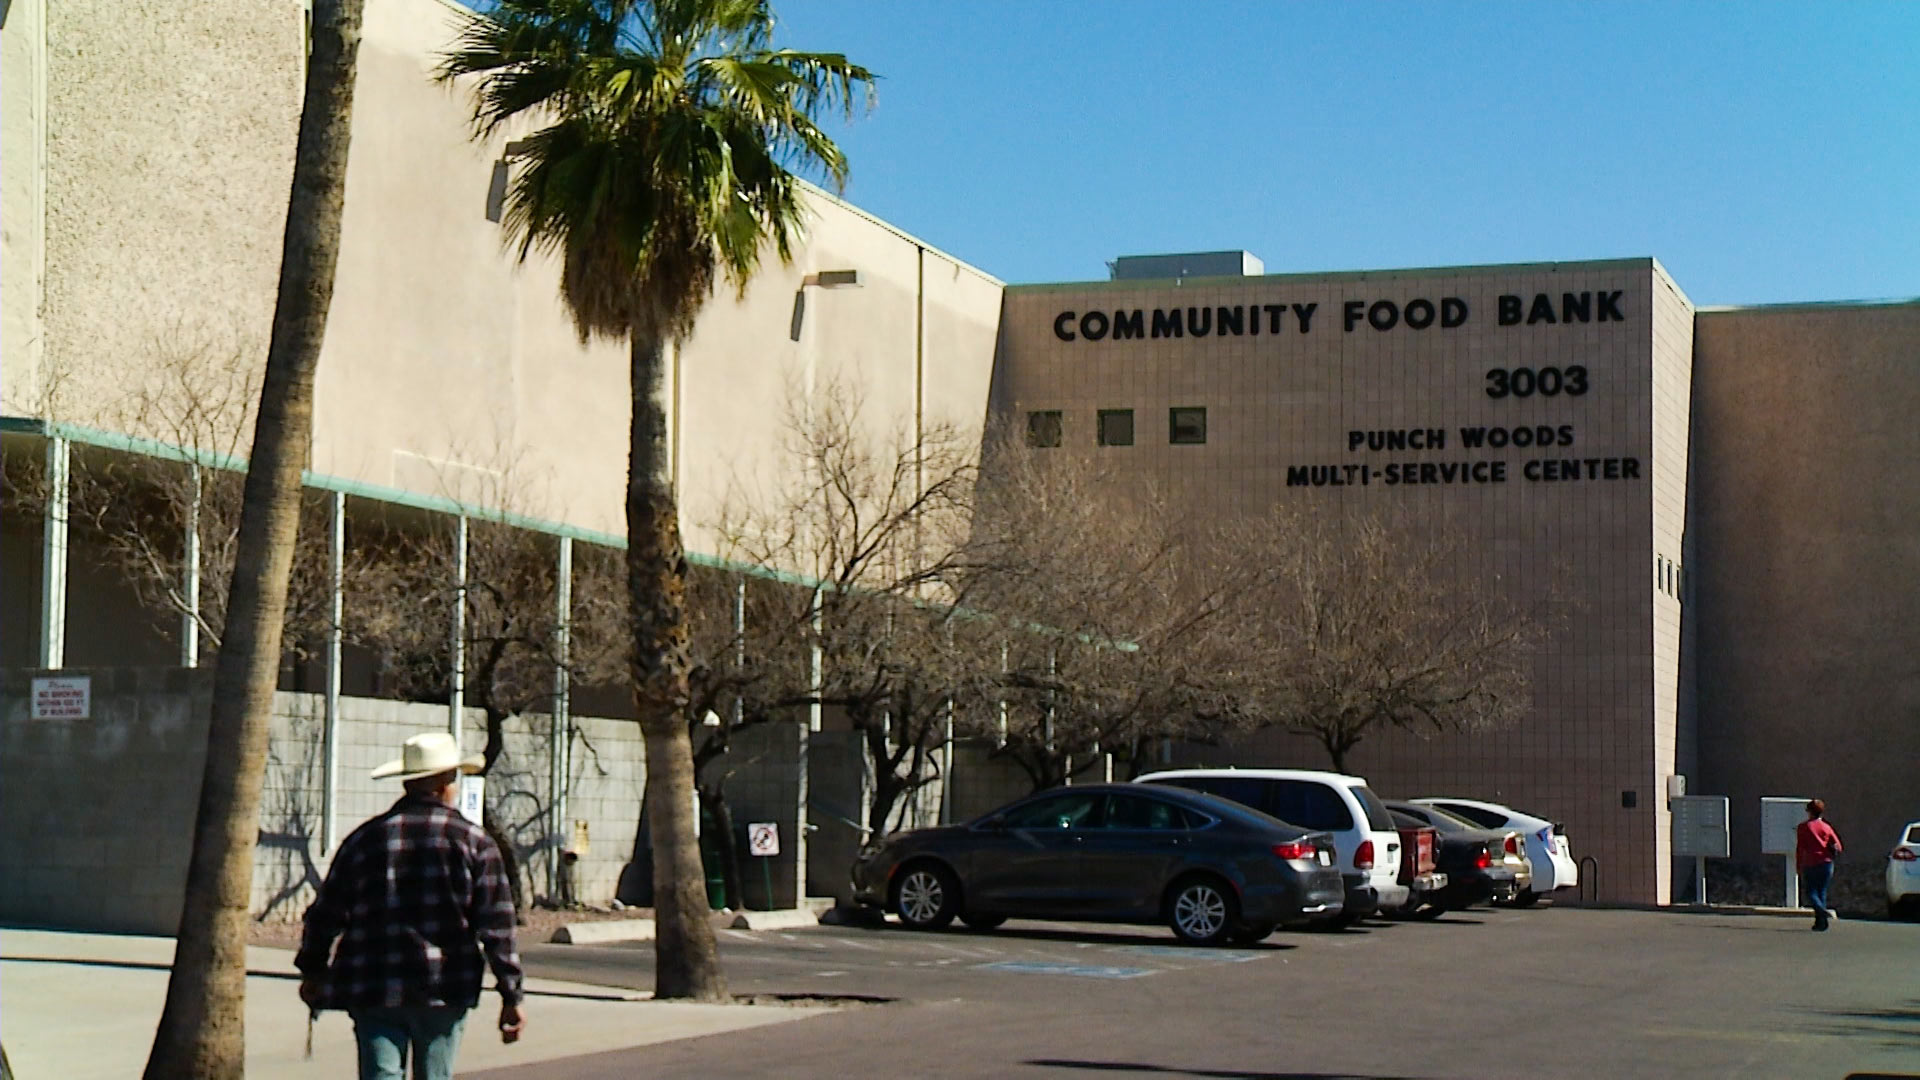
x=1254, y=320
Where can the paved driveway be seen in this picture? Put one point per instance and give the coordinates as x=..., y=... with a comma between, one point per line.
x=1543, y=993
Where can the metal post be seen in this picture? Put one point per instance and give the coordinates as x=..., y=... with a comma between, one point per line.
x=559, y=750
x=801, y=799
x=1047, y=723
x=1700, y=879
x=457, y=679
x=53, y=558
x=190, y=578
x=1001, y=702
x=816, y=661
x=739, y=644
x=1793, y=883
x=330, y=735
x=946, y=770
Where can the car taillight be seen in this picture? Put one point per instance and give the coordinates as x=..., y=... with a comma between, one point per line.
x=1484, y=859
x=1363, y=856
x=1294, y=849
x=1905, y=854
x=1513, y=845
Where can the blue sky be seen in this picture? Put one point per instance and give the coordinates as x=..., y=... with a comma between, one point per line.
x=1763, y=153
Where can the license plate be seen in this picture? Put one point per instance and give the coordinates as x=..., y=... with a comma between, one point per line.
x=1325, y=859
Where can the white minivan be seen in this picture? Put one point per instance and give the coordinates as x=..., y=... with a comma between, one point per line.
x=1363, y=830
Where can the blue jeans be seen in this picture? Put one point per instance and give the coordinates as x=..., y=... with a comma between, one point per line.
x=386, y=1035
x=1814, y=881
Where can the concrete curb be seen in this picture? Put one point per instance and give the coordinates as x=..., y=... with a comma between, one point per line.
x=604, y=932
x=775, y=920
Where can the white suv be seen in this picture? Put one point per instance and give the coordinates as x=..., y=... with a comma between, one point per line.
x=1364, y=834
x=1547, y=849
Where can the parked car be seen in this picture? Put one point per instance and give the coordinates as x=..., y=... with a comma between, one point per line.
x=1364, y=835
x=1481, y=864
x=1548, y=852
x=1903, y=875
x=1213, y=870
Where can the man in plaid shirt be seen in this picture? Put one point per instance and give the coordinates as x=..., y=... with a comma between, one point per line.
x=419, y=900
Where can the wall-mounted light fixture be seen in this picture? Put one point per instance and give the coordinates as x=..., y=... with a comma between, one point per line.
x=497, y=186
x=822, y=279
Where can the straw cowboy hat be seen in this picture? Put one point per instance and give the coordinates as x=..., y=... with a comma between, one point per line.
x=425, y=755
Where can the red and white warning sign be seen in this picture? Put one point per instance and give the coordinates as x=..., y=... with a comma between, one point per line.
x=63, y=699
x=763, y=838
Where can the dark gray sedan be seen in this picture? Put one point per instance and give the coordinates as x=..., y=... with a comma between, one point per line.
x=1213, y=870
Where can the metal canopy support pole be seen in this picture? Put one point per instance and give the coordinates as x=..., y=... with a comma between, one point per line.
x=1793, y=882
x=53, y=558
x=559, y=750
x=1001, y=704
x=1047, y=733
x=946, y=770
x=816, y=680
x=739, y=645
x=816, y=661
x=190, y=577
x=336, y=610
x=457, y=678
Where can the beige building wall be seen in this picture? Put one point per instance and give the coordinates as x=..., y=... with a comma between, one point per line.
x=1674, y=736
x=1807, y=517
x=168, y=162
x=23, y=133
x=1284, y=400
x=450, y=367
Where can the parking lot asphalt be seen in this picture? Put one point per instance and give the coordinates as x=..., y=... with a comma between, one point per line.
x=1488, y=993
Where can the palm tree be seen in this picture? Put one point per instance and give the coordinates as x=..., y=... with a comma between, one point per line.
x=202, y=1031
x=658, y=165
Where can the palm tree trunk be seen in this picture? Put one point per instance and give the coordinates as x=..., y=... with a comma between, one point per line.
x=202, y=1033
x=686, y=958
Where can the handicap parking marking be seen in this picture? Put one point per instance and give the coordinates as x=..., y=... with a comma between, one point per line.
x=1177, y=952
x=1084, y=971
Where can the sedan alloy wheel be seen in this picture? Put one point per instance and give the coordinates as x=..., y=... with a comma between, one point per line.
x=925, y=897
x=1202, y=912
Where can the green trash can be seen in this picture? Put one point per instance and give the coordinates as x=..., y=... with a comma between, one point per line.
x=710, y=861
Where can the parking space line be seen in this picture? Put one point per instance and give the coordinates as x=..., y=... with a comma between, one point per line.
x=1084, y=971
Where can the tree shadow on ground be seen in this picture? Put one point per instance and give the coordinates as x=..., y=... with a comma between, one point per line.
x=1209, y=1074
x=1896, y=1028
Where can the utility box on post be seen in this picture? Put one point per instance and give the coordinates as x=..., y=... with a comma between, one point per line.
x=1700, y=830
x=1780, y=819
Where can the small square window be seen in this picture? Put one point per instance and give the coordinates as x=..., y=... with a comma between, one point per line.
x=1043, y=428
x=1116, y=427
x=1187, y=427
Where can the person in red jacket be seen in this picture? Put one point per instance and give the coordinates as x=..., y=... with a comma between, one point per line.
x=1817, y=846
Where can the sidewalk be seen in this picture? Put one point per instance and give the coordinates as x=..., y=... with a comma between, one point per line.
x=83, y=1006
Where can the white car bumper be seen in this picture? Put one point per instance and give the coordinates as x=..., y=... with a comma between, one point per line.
x=1903, y=880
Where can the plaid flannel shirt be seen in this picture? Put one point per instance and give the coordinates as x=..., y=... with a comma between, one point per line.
x=420, y=901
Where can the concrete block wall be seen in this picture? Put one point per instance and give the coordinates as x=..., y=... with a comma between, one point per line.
x=99, y=812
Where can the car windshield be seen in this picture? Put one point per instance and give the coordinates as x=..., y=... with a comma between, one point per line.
x=1913, y=834
x=1379, y=819
x=1408, y=821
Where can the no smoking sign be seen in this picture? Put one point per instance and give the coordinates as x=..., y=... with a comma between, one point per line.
x=763, y=838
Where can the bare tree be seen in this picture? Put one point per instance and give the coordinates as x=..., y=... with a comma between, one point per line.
x=1376, y=628
x=876, y=523
x=166, y=518
x=1121, y=621
x=512, y=647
